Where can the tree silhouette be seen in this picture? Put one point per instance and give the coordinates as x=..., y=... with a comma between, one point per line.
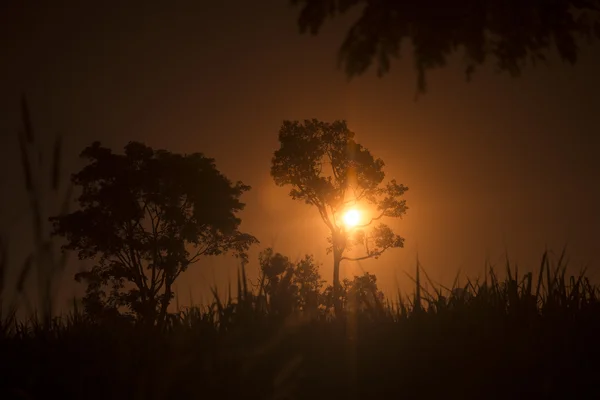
x=362, y=292
x=144, y=218
x=511, y=32
x=307, y=151
x=358, y=294
x=307, y=279
x=290, y=286
x=276, y=279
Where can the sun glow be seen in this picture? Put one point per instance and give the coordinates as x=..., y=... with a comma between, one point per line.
x=351, y=218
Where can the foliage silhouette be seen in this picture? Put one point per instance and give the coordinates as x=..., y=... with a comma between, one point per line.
x=362, y=293
x=307, y=152
x=140, y=213
x=292, y=286
x=516, y=336
x=307, y=279
x=509, y=32
x=276, y=278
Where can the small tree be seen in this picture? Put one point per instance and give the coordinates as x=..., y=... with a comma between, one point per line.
x=307, y=279
x=290, y=286
x=327, y=169
x=144, y=218
x=357, y=294
x=362, y=292
x=276, y=280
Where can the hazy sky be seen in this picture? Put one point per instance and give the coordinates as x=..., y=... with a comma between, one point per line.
x=493, y=163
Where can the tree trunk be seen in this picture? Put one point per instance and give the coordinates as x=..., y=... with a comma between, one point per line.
x=337, y=287
x=165, y=304
x=148, y=312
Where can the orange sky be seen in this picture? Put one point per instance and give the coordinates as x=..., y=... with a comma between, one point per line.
x=494, y=163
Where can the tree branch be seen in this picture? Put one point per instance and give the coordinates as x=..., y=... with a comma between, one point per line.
x=357, y=258
x=371, y=221
x=198, y=254
x=371, y=255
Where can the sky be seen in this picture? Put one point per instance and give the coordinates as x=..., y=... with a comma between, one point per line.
x=493, y=165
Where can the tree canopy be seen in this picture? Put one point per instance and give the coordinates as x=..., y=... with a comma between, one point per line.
x=326, y=168
x=145, y=216
x=511, y=33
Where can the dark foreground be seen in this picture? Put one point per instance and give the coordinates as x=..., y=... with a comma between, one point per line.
x=521, y=338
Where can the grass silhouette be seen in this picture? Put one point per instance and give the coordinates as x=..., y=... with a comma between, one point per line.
x=518, y=337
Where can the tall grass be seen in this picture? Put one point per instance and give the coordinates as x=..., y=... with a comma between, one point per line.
x=42, y=184
x=516, y=337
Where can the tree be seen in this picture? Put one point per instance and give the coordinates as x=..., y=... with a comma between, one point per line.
x=358, y=294
x=276, y=280
x=363, y=292
x=355, y=178
x=290, y=286
x=307, y=279
x=144, y=218
x=511, y=32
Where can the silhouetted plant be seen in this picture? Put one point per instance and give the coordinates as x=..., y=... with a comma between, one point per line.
x=140, y=213
x=309, y=283
x=42, y=182
x=277, y=271
x=364, y=294
x=290, y=286
x=327, y=169
x=510, y=32
x=359, y=294
x=538, y=334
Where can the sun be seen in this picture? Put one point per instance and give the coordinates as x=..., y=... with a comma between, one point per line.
x=351, y=218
